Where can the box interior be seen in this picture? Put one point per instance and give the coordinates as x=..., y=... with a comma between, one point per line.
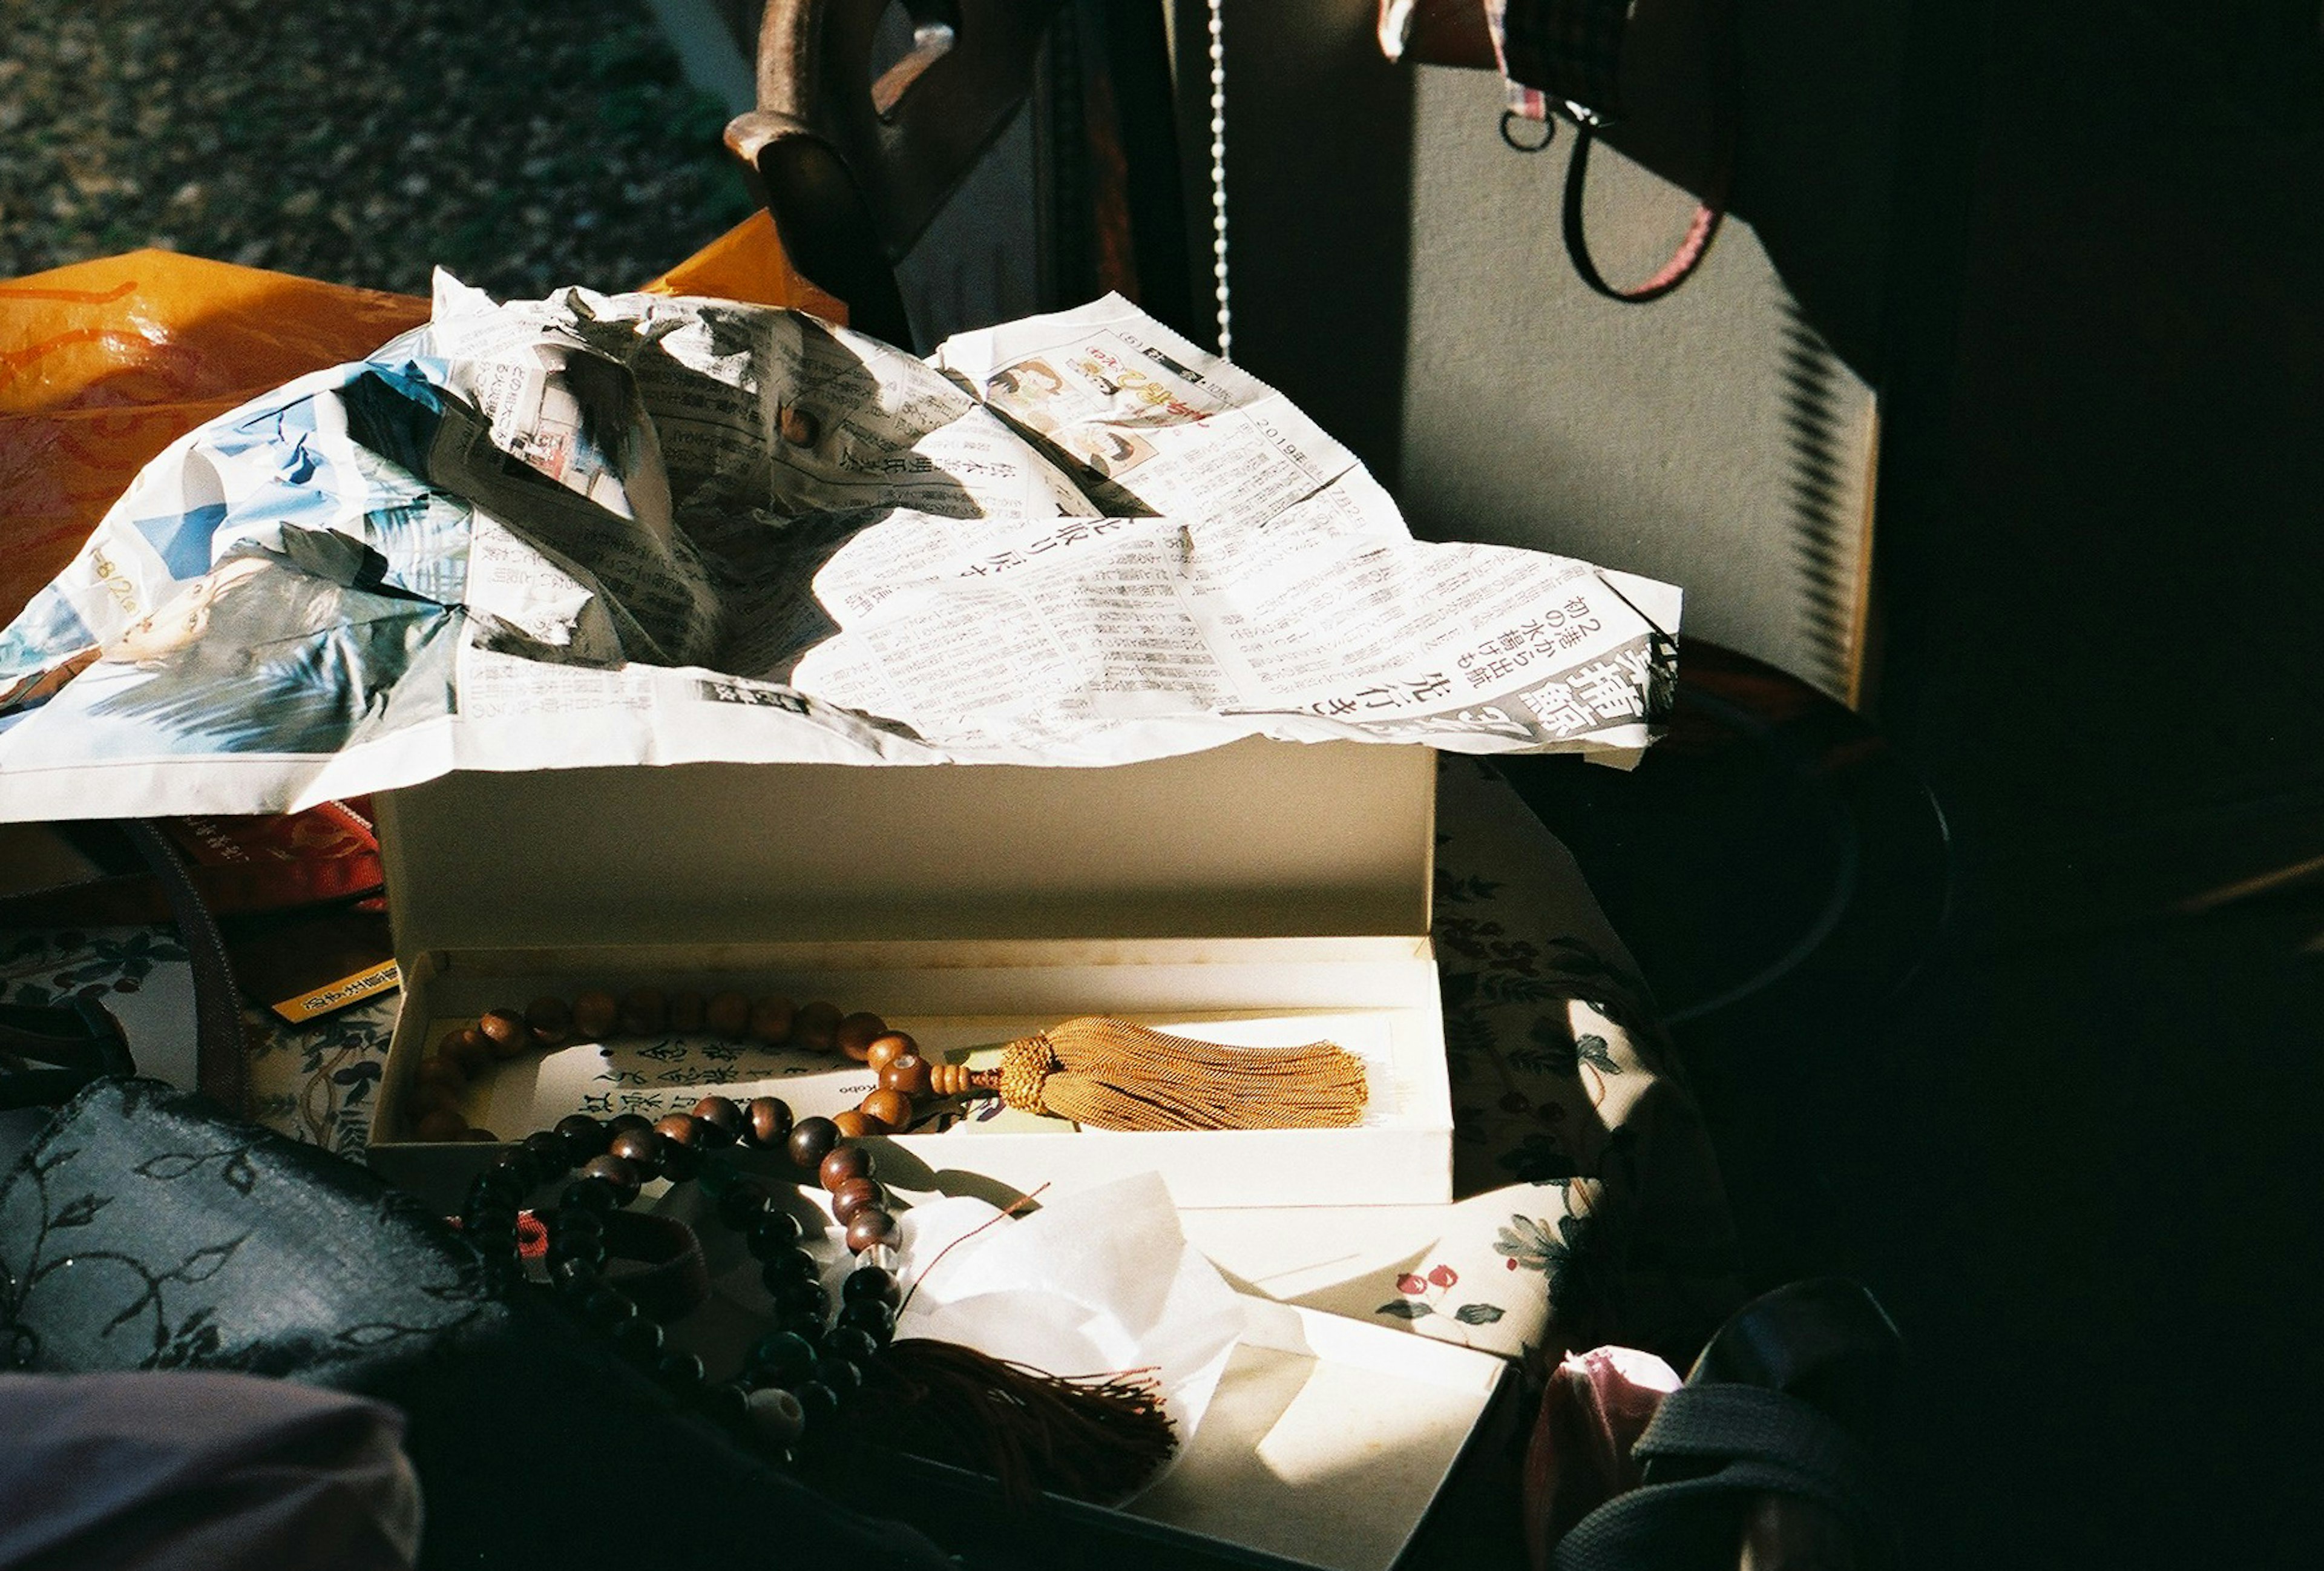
x=1376, y=993
x=1256, y=839
x=1261, y=878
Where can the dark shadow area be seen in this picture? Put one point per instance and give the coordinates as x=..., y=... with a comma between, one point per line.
x=1319, y=169
x=1811, y=141
x=2070, y=1151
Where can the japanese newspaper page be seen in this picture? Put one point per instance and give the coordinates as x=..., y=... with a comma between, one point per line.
x=611, y=529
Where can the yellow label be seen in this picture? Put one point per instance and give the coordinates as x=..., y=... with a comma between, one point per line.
x=338, y=995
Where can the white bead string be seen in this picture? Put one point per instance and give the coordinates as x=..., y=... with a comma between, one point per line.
x=1218, y=174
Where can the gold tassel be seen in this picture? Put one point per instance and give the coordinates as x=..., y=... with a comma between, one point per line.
x=1110, y=1074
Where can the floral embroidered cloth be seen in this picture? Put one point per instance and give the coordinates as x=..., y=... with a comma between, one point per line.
x=1589, y=1209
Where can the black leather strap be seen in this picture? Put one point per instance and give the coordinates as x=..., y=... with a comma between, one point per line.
x=221, y=1070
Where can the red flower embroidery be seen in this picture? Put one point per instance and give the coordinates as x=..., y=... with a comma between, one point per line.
x=1410, y=1284
x=1444, y=1276
x=532, y=1236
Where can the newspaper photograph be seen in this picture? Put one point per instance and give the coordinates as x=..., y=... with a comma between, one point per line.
x=600, y=530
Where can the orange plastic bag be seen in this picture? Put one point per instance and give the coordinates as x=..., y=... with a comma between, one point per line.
x=104, y=364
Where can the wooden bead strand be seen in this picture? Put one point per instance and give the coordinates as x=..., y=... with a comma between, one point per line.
x=804, y=1368
x=811, y=1386
x=904, y=1078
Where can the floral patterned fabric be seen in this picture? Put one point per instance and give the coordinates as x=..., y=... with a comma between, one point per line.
x=1589, y=1205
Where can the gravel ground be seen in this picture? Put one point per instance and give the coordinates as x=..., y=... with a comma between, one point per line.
x=521, y=143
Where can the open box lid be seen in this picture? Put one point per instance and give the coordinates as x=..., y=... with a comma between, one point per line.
x=1256, y=839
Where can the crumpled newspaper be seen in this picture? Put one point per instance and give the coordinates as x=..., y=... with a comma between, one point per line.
x=613, y=529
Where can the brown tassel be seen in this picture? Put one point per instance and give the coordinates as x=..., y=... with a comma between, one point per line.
x=1095, y=1438
x=1110, y=1074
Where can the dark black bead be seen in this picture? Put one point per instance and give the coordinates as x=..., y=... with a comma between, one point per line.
x=871, y=1284
x=584, y=1138
x=604, y=1308
x=742, y=1203
x=588, y=1249
x=500, y=1257
x=575, y=1222
x=794, y=1297
x=495, y=1183
x=772, y=1235
x=786, y=1356
x=622, y=1121
x=549, y=1152
x=573, y=1276
x=840, y=1374
x=851, y=1343
x=678, y=1373
x=820, y=1401
x=489, y=1222
x=638, y=1341
x=517, y=1162
x=809, y=1327
x=724, y=1403
x=875, y=1320
x=793, y=1265
x=591, y=1195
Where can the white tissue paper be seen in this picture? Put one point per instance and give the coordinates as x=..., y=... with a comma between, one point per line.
x=1097, y=1282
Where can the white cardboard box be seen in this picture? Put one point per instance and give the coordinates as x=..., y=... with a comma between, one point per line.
x=1263, y=880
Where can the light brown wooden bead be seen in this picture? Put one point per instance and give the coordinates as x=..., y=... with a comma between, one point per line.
x=888, y=1109
x=907, y=1074
x=471, y=1052
x=477, y=1134
x=815, y=1027
x=441, y=1124
x=435, y=1096
x=856, y=1032
x=441, y=1070
x=505, y=1033
x=852, y=1124
x=686, y=1011
x=728, y=1013
x=595, y=1014
x=551, y=1021
x=645, y=1011
x=948, y=1079
x=886, y=1050
x=773, y=1018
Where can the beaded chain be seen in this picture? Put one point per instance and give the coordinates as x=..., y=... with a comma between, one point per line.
x=820, y=1380
x=464, y=1055
x=796, y=1378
